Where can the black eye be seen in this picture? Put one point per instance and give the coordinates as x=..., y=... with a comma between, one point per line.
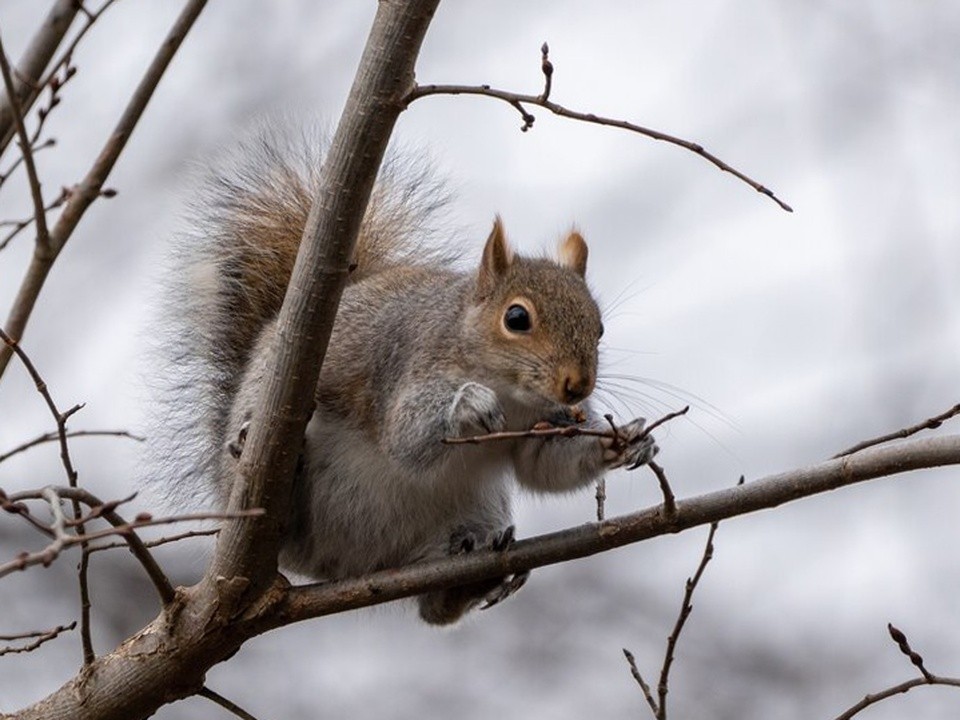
x=517, y=318
x=601, y=331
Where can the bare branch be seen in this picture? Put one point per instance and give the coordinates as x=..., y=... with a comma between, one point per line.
x=42, y=636
x=227, y=705
x=518, y=100
x=159, y=541
x=204, y=630
x=927, y=678
x=323, y=599
x=659, y=705
x=39, y=209
x=18, y=226
x=901, y=640
x=635, y=671
x=686, y=608
x=903, y=687
x=32, y=64
x=52, y=551
x=52, y=437
x=928, y=424
x=90, y=187
x=601, y=498
x=669, y=501
x=62, y=539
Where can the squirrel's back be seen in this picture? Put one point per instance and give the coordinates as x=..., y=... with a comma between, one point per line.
x=230, y=269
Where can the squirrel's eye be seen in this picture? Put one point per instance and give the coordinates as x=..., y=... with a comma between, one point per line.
x=601, y=330
x=517, y=318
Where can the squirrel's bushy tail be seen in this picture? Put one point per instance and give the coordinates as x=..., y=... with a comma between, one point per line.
x=230, y=271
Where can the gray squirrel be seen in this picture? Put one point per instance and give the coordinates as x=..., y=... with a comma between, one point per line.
x=420, y=352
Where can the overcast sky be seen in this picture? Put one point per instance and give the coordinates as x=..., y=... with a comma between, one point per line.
x=792, y=336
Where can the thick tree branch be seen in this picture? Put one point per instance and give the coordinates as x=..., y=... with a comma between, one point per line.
x=90, y=187
x=248, y=549
x=323, y=599
x=168, y=659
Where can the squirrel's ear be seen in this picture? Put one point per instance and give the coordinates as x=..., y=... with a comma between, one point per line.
x=573, y=253
x=497, y=257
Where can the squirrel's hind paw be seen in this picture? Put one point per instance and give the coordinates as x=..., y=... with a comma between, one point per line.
x=446, y=606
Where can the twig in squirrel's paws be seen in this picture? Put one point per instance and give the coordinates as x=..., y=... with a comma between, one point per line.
x=545, y=430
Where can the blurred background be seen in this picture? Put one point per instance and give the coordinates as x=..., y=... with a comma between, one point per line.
x=791, y=335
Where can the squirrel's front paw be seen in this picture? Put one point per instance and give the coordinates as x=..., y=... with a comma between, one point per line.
x=475, y=410
x=631, y=448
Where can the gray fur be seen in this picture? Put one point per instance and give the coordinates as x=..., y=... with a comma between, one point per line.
x=419, y=353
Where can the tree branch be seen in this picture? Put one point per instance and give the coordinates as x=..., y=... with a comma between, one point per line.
x=168, y=659
x=53, y=437
x=518, y=100
x=927, y=678
x=26, y=147
x=32, y=64
x=326, y=598
x=248, y=549
x=90, y=187
x=928, y=424
x=39, y=638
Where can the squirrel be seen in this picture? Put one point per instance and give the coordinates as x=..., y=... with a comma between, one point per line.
x=420, y=352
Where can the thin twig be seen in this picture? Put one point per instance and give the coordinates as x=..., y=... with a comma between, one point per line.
x=41, y=636
x=518, y=100
x=159, y=541
x=546, y=67
x=659, y=705
x=61, y=420
x=927, y=678
x=52, y=436
x=63, y=539
x=227, y=705
x=18, y=226
x=36, y=193
x=928, y=424
x=635, y=671
x=663, y=686
x=563, y=431
x=903, y=687
x=901, y=640
x=669, y=500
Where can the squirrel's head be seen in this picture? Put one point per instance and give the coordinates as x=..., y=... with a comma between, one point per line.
x=540, y=325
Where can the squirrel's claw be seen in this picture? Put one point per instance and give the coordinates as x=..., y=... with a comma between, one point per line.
x=505, y=589
x=631, y=447
x=235, y=447
x=464, y=540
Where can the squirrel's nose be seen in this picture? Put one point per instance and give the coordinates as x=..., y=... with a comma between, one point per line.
x=576, y=387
